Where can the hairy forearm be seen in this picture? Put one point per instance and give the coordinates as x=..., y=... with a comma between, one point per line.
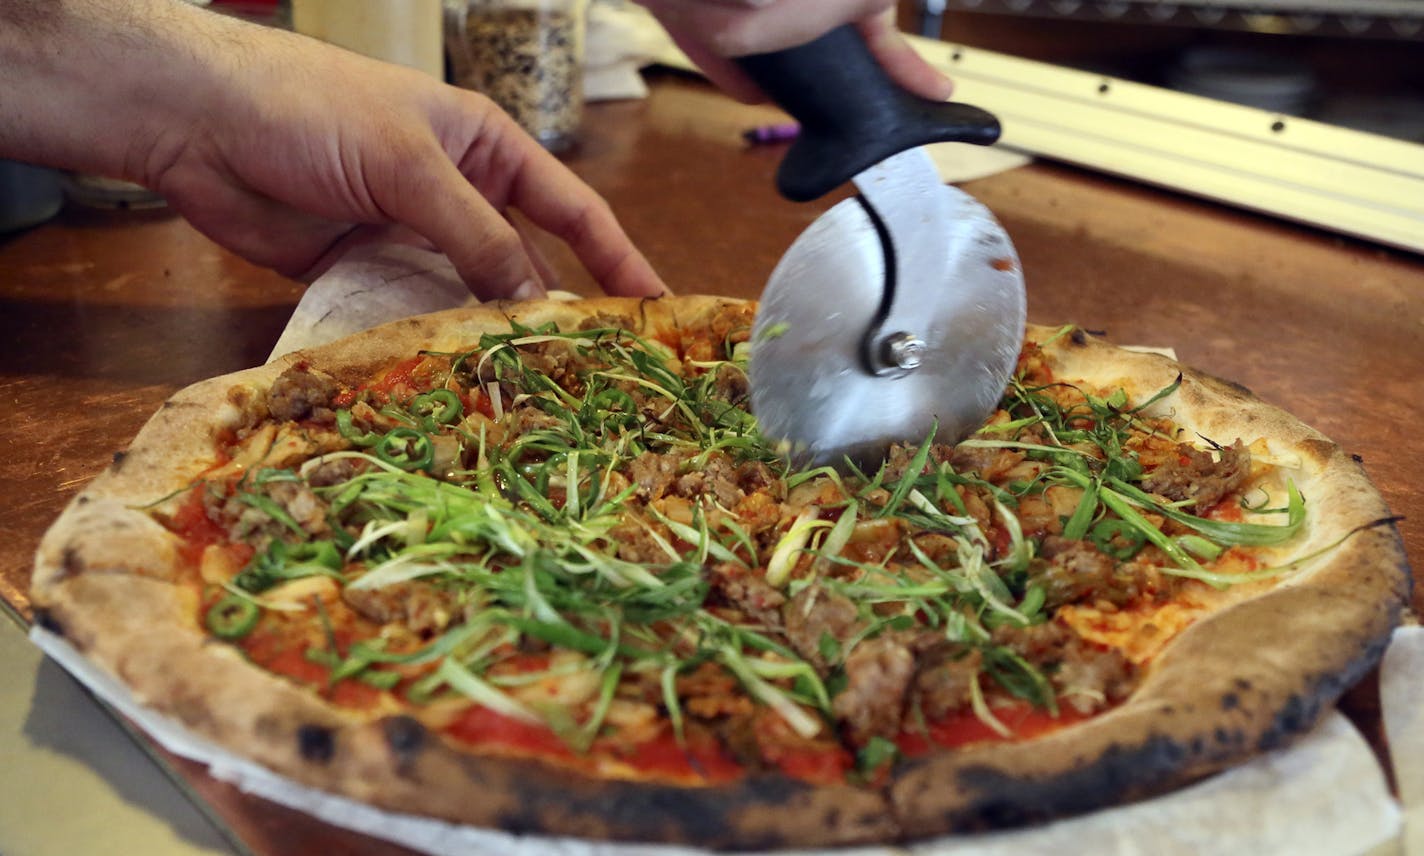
x=103, y=85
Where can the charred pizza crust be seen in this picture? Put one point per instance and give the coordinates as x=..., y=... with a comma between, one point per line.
x=1241, y=681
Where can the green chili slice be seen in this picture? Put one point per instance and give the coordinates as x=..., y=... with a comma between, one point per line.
x=441, y=406
x=282, y=561
x=360, y=438
x=615, y=407
x=233, y=617
x=1117, y=538
x=406, y=448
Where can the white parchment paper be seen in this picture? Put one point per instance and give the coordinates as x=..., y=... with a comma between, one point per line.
x=1326, y=795
x=357, y=294
x=1402, y=704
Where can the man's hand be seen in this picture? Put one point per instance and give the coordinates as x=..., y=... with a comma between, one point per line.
x=287, y=151
x=713, y=32
x=316, y=148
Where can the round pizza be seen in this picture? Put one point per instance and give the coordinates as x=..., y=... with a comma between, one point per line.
x=532, y=566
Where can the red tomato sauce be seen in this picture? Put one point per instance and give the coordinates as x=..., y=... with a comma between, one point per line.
x=673, y=340
x=476, y=401
x=701, y=757
x=1000, y=540
x=964, y=728
x=698, y=758
x=818, y=766
x=192, y=524
x=284, y=654
x=401, y=381
x=1228, y=509
x=480, y=726
x=522, y=663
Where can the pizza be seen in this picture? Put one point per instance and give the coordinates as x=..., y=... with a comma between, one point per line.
x=532, y=566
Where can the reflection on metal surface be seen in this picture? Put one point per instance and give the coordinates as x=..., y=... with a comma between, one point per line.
x=810, y=380
x=61, y=748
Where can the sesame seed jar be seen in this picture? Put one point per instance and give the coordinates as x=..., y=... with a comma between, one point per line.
x=527, y=56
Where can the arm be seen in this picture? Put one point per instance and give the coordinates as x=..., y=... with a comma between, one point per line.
x=287, y=150
x=712, y=32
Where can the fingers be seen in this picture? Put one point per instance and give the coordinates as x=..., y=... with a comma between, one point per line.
x=459, y=208
x=547, y=274
x=585, y=223
x=433, y=198
x=549, y=194
x=710, y=31
x=900, y=60
x=739, y=29
x=718, y=69
x=444, y=162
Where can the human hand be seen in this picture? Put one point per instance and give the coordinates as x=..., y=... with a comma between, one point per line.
x=314, y=149
x=288, y=151
x=714, y=32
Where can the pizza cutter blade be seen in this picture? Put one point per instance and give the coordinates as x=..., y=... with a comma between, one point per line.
x=900, y=312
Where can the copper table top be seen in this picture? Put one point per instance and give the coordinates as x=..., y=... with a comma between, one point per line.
x=104, y=315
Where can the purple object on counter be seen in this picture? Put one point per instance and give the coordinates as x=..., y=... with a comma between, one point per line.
x=772, y=133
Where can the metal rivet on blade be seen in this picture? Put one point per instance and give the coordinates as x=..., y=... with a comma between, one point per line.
x=903, y=350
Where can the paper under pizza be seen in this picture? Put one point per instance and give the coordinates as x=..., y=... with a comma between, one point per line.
x=531, y=566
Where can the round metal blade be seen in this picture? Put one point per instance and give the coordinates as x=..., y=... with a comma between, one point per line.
x=810, y=382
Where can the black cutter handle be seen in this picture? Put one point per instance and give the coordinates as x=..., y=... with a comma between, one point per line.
x=852, y=114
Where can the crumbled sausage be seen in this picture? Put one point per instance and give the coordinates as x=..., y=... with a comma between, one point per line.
x=554, y=358
x=1072, y=571
x=748, y=593
x=1196, y=475
x=878, y=673
x=654, y=473
x=302, y=393
x=632, y=542
x=1077, y=572
x=718, y=478
x=731, y=383
x=423, y=608
x=247, y=523
x=1089, y=676
x=335, y=471
x=813, y=613
x=943, y=677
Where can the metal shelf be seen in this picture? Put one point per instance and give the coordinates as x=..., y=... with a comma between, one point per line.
x=1346, y=181
x=1379, y=19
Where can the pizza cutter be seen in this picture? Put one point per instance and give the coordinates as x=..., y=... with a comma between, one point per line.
x=899, y=312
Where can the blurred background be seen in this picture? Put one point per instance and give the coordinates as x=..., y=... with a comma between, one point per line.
x=1354, y=63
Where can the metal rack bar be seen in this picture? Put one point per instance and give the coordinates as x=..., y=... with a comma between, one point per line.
x=1384, y=19
x=1343, y=180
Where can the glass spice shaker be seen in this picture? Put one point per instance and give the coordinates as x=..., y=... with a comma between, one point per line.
x=525, y=55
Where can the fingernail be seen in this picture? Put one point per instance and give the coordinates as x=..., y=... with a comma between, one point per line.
x=527, y=290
